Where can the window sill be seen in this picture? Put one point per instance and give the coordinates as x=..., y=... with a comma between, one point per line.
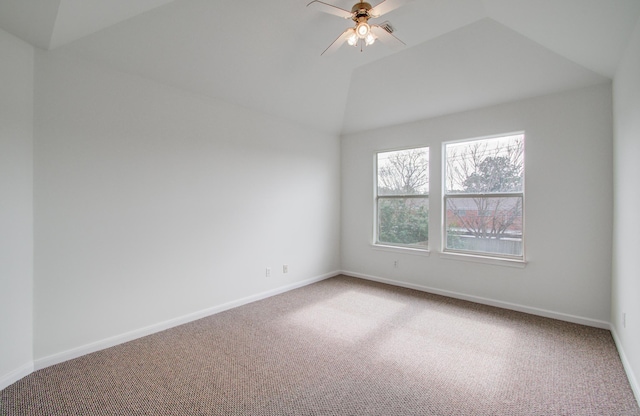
x=497, y=261
x=405, y=250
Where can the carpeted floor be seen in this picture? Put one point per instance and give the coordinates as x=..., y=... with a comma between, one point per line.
x=343, y=346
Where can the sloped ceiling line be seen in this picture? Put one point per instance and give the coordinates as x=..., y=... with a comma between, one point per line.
x=262, y=55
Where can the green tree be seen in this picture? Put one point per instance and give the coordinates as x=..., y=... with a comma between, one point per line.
x=403, y=221
x=494, y=174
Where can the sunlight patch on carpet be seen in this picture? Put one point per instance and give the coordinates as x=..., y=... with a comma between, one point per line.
x=350, y=316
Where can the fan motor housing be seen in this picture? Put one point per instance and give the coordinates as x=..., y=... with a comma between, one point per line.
x=361, y=10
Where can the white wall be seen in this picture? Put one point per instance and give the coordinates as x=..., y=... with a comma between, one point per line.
x=568, y=207
x=152, y=204
x=16, y=208
x=626, y=241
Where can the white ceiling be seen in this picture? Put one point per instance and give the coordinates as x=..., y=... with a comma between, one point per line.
x=265, y=55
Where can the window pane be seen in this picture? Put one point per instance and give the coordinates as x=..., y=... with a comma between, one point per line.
x=404, y=172
x=403, y=221
x=485, y=166
x=489, y=225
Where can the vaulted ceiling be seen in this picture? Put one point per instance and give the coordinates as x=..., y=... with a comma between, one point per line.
x=265, y=55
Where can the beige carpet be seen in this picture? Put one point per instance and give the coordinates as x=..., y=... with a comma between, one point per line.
x=343, y=347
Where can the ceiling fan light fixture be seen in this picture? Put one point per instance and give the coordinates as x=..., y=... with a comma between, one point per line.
x=369, y=39
x=363, y=29
x=352, y=39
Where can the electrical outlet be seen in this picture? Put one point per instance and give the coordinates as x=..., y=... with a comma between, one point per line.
x=395, y=264
x=267, y=272
x=285, y=268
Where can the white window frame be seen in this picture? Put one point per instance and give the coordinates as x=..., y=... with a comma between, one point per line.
x=472, y=254
x=416, y=248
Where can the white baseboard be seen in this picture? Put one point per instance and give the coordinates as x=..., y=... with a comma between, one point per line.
x=633, y=381
x=50, y=360
x=486, y=301
x=8, y=379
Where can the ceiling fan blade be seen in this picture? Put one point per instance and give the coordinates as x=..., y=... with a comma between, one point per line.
x=386, y=37
x=338, y=42
x=331, y=9
x=386, y=6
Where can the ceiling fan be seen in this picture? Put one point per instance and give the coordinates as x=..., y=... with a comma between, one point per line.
x=363, y=33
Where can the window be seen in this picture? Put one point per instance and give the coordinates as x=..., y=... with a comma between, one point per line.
x=484, y=196
x=402, y=198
